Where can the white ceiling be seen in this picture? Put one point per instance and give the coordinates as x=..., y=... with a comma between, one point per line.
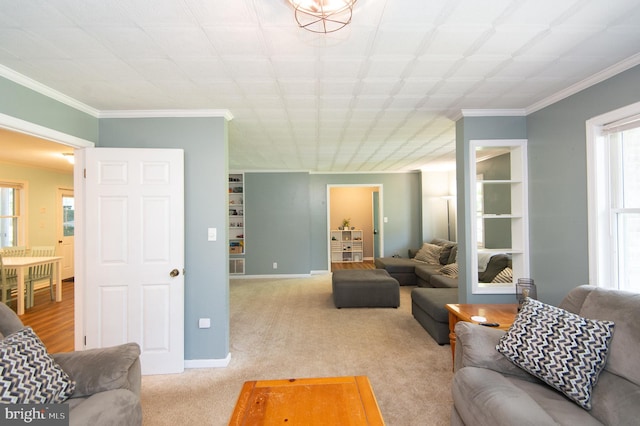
x=379, y=95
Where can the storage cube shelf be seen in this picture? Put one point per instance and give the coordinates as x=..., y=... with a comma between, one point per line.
x=346, y=246
x=236, y=224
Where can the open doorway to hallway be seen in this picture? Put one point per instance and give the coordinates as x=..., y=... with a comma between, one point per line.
x=360, y=205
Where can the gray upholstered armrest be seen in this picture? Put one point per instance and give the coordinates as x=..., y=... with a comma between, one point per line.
x=476, y=347
x=99, y=370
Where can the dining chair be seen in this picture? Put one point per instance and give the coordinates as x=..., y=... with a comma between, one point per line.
x=40, y=272
x=9, y=282
x=14, y=251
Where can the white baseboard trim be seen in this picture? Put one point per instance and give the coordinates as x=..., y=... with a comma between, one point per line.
x=207, y=363
x=320, y=272
x=245, y=277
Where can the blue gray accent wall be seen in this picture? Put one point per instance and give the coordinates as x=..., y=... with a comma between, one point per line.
x=558, y=215
x=286, y=218
x=277, y=223
x=26, y=104
x=204, y=141
x=467, y=129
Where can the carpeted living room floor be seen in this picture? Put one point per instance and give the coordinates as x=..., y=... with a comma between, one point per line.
x=289, y=328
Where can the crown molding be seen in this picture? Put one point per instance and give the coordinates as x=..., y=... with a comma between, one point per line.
x=500, y=112
x=167, y=113
x=512, y=112
x=47, y=91
x=599, y=77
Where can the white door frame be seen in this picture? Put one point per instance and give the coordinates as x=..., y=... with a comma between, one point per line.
x=21, y=126
x=380, y=224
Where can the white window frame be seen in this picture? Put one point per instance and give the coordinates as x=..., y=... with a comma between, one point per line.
x=602, y=245
x=23, y=208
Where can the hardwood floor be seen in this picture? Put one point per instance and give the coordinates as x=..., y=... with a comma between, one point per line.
x=367, y=264
x=53, y=321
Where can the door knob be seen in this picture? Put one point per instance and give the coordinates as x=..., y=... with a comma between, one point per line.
x=174, y=273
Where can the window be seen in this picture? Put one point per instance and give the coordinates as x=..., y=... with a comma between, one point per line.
x=11, y=220
x=614, y=200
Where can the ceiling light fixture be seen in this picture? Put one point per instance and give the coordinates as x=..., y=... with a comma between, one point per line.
x=68, y=156
x=323, y=16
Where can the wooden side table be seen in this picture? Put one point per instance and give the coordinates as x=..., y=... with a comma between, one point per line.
x=308, y=402
x=503, y=314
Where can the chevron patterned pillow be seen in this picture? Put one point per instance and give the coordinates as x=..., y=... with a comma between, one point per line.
x=562, y=349
x=28, y=373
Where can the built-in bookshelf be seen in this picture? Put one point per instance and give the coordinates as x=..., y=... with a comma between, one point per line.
x=236, y=224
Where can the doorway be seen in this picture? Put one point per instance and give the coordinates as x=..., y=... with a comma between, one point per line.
x=361, y=205
x=24, y=127
x=65, y=221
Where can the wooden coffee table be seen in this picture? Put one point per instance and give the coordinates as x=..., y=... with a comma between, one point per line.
x=317, y=401
x=503, y=314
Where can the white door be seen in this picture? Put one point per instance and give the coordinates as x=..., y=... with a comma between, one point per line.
x=66, y=231
x=134, y=253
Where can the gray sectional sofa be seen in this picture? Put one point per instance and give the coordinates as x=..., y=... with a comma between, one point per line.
x=434, y=289
x=409, y=271
x=490, y=390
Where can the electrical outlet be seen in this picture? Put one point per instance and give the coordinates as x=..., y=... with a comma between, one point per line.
x=275, y=265
x=204, y=323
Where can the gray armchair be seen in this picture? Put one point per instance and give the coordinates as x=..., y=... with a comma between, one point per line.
x=107, y=381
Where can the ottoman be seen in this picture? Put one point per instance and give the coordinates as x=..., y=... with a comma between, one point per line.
x=365, y=288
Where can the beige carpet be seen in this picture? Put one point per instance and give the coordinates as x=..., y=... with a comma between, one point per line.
x=289, y=328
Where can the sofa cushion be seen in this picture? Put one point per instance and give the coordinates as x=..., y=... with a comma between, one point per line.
x=497, y=263
x=433, y=301
x=450, y=270
x=425, y=271
x=442, y=281
x=453, y=256
x=429, y=253
x=505, y=276
x=486, y=397
x=566, y=351
x=29, y=374
x=447, y=247
x=621, y=307
x=395, y=264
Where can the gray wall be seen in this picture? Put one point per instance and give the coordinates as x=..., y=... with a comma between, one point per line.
x=286, y=218
x=467, y=129
x=497, y=200
x=277, y=223
x=26, y=104
x=558, y=183
x=204, y=141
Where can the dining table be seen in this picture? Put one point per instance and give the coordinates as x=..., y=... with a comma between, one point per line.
x=22, y=265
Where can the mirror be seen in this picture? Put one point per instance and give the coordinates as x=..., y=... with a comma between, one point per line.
x=499, y=229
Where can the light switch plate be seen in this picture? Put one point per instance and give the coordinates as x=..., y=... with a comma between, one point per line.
x=212, y=234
